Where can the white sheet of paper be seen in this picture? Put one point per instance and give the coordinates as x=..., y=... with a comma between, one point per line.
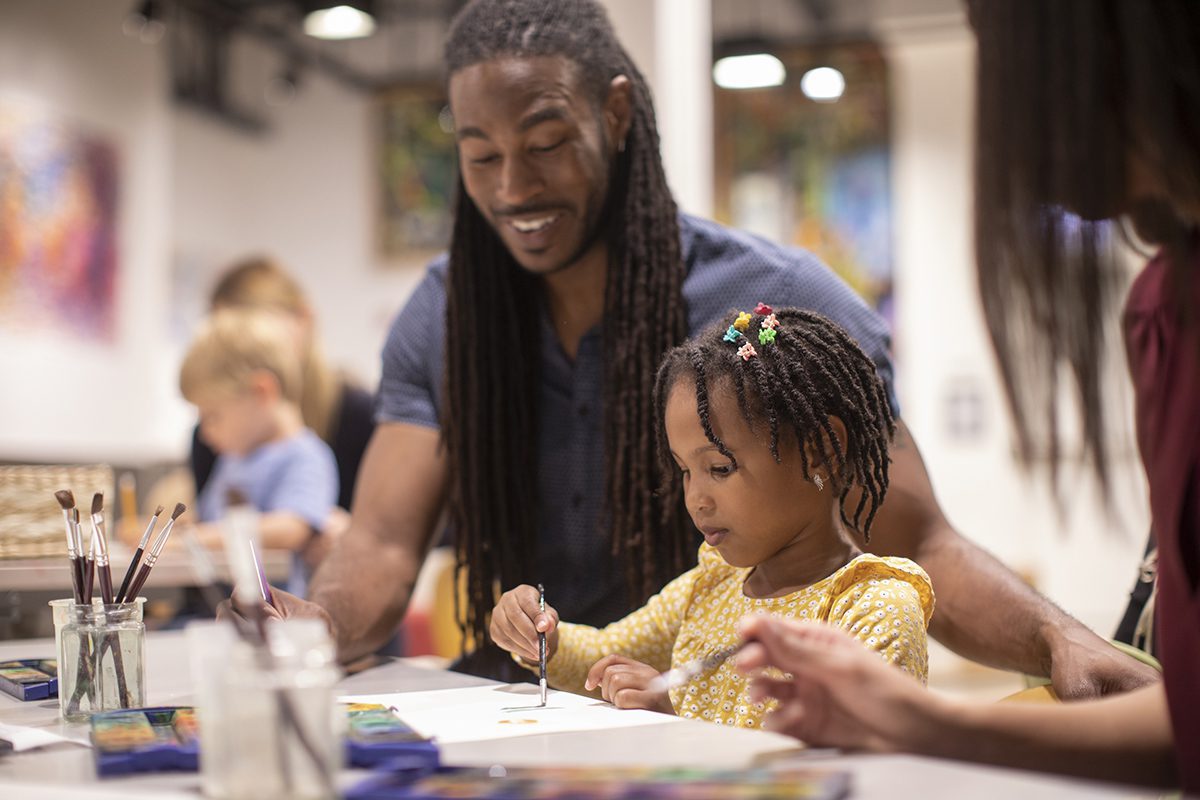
x=479, y=713
x=24, y=738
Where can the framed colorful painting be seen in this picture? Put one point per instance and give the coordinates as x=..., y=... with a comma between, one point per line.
x=417, y=172
x=58, y=225
x=813, y=174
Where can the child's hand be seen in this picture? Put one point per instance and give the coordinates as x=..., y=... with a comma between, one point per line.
x=517, y=621
x=626, y=684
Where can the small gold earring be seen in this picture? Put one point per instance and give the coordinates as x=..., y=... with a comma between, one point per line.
x=820, y=482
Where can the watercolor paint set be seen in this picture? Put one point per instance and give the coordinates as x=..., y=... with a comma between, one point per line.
x=29, y=679
x=167, y=739
x=163, y=739
x=409, y=782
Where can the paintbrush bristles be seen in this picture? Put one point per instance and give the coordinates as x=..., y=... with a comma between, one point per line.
x=178, y=512
x=158, y=511
x=65, y=499
x=97, y=502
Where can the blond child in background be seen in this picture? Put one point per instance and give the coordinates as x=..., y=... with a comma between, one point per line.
x=776, y=423
x=243, y=375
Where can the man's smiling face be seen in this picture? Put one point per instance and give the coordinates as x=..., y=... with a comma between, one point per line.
x=534, y=153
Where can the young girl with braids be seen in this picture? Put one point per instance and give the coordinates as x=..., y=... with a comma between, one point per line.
x=772, y=420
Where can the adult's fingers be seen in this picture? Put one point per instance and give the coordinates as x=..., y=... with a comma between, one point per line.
x=797, y=647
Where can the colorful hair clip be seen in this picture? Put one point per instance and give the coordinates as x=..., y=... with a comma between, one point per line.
x=747, y=351
x=770, y=322
x=766, y=336
x=732, y=334
x=762, y=309
x=742, y=322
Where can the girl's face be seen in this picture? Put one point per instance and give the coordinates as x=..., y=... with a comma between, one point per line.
x=755, y=511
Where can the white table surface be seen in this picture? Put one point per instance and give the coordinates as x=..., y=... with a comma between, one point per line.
x=66, y=770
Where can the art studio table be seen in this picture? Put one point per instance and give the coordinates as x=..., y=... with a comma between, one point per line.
x=66, y=770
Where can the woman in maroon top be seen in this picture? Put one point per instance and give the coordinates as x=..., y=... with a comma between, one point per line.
x=1089, y=110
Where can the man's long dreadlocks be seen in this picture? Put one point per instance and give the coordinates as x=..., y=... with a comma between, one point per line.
x=490, y=418
x=811, y=371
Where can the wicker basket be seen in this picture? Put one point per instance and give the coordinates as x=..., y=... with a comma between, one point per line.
x=31, y=521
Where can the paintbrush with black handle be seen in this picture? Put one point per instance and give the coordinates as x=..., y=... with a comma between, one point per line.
x=137, y=556
x=101, y=537
x=89, y=563
x=66, y=500
x=155, y=552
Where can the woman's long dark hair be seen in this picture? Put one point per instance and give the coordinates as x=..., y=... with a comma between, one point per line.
x=492, y=344
x=1071, y=94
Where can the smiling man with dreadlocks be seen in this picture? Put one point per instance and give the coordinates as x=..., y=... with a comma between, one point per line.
x=517, y=381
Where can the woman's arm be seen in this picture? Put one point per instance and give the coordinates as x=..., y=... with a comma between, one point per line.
x=843, y=696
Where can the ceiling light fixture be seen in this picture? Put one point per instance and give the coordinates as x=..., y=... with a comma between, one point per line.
x=339, y=20
x=823, y=84
x=754, y=71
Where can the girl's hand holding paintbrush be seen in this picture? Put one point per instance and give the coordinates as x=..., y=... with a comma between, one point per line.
x=518, y=619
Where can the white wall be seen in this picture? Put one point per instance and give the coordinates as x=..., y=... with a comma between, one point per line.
x=63, y=398
x=302, y=192
x=670, y=41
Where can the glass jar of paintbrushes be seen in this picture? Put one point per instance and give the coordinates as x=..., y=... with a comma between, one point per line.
x=101, y=657
x=101, y=640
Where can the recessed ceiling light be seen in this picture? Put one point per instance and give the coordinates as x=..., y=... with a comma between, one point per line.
x=344, y=21
x=823, y=84
x=756, y=71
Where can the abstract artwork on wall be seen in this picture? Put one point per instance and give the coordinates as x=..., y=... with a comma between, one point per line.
x=58, y=222
x=417, y=167
x=814, y=174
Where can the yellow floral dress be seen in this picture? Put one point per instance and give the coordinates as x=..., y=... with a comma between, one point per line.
x=885, y=603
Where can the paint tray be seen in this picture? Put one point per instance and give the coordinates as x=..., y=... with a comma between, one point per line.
x=29, y=679
x=162, y=739
x=406, y=781
x=168, y=739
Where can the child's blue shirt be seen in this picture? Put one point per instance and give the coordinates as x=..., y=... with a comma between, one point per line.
x=297, y=474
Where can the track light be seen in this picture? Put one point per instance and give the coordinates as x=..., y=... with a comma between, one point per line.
x=823, y=84
x=754, y=71
x=341, y=19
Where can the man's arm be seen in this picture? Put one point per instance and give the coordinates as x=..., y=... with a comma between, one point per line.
x=365, y=582
x=984, y=611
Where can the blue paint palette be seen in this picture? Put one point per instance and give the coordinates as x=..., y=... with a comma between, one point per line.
x=168, y=739
x=163, y=739
x=408, y=781
x=29, y=679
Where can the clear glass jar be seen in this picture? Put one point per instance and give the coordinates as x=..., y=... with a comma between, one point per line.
x=269, y=723
x=101, y=657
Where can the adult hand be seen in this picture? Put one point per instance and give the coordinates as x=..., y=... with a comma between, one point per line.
x=840, y=695
x=627, y=684
x=286, y=606
x=1082, y=666
x=517, y=620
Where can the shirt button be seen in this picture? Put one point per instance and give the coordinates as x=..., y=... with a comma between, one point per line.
x=576, y=501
